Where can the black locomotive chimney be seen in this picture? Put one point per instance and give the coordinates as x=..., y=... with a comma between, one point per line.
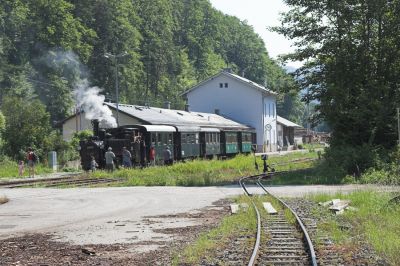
x=95, y=123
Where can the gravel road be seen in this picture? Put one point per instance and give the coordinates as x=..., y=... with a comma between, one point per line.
x=116, y=215
x=122, y=225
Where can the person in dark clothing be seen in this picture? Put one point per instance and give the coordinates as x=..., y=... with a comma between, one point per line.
x=31, y=158
x=126, y=158
x=167, y=156
x=142, y=152
x=152, y=156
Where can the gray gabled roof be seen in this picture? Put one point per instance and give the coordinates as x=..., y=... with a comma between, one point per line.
x=286, y=122
x=236, y=77
x=161, y=116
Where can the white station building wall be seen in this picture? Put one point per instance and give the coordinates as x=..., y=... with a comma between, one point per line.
x=79, y=123
x=239, y=102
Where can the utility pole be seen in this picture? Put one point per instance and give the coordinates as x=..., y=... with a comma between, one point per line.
x=115, y=58
x=398, y=126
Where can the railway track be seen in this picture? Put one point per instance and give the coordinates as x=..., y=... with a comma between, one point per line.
x=300, y=160
x=59, y=182
x=287, y=243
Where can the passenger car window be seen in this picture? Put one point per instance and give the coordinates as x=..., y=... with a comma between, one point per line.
x=159, y=140
x=170, y=140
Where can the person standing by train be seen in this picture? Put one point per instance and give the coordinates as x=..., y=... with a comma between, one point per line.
x=21, y=168
x=152, y=155
x=93, y=164
x=142, y=151
x=167, y=156
x=31, y=158
x=126, y=158
x=110, y=156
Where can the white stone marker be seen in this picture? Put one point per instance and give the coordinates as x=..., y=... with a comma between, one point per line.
x=268, y=207
x=234, y=208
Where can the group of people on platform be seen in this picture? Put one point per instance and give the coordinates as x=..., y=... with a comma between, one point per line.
x=127, y=158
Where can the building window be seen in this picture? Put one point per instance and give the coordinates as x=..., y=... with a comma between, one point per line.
x=226, y=85
x=273, y=110
x=265, y=109
x=221, y=85
x=273, y=135
x=269, y=109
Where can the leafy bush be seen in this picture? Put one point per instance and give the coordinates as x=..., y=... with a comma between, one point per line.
x=300, y=147
x=352, y=160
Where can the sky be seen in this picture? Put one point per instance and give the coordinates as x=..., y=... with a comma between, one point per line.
x=260, y=14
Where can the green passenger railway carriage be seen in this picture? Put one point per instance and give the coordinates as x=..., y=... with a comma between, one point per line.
x=211, y=144
x=187, y=134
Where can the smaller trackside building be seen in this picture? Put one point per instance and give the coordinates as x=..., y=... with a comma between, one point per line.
x=239, y=99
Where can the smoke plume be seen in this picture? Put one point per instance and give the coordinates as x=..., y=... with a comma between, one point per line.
x=92, y=102
x=86, y=97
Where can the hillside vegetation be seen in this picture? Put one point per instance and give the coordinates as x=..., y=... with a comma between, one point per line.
x=47, y=47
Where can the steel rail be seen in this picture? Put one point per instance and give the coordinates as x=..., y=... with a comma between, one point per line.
x=84, y=182
x=311, y=250
x=33, y=181
x=295, y=161
x=65, y=181
x=258, y=235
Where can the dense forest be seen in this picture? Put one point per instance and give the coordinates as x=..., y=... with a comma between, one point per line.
x=350, y=77
x=161, y=48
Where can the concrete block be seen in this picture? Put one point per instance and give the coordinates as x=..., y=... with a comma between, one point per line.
x=234, y=208
x=268, y=207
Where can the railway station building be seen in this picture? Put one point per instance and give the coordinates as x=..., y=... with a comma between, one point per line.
x=240, y=99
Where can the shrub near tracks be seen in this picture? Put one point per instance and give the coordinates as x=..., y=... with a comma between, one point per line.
x=205, y=172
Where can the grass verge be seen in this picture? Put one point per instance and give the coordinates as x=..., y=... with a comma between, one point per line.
x=10, y=169
x=206, y=172
x=376, y=222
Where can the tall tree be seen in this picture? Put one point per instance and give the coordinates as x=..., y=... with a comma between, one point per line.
x=116, y=24
x=158, y=48
x=351, y=50
x=27, y=124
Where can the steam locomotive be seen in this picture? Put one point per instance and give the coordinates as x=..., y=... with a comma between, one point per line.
x=185, y=142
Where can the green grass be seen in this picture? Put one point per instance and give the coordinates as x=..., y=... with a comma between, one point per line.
x=200, y=172
x=375, y=222
x=10, y=169
x=242, y=223
x=204, y=172
x=313, y=146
